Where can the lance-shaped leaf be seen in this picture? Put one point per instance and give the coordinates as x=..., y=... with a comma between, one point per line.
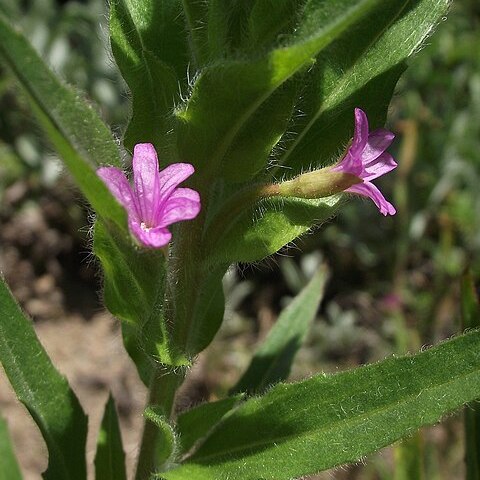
x=251, y=150
x=150, y=48
x=360, y=69
x=249, y=26
x=208, y=312
x=166, y=440
x=110, y=457
x=329, y=420
x=9, y=469
x=46, y=394
x=72, y=126
x=213, y=115
x=265, y=229
x=196, y=423
x=134, y=288
x=272, y=361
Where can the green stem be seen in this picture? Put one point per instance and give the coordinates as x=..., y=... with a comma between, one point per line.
x=163, y=387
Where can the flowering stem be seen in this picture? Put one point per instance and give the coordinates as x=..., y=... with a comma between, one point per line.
x=163, y=387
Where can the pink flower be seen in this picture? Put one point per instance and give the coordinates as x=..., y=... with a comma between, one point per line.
x=155, y=201
x=367, y=159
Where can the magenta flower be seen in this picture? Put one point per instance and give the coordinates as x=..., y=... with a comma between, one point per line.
x=155, y=201
x=367, y=159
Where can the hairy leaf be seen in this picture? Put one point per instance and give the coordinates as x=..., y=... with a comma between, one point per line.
x=165, y=441
x=134, y=288
x=212, y=117
x=360, y=69
x=329, y=420
x=198, y=422
x=149, y=46
x=260, y=232
x=46, y=394
x=72, y=126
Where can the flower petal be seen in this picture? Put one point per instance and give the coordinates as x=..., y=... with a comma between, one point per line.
x=171, y=176
x=380, y=166
x=156, y=237
x=360, y=136
x=147, y=181
x=369, y=190
x=378, y=141
x=120, y=188
x=350, y=164
x=183, y=204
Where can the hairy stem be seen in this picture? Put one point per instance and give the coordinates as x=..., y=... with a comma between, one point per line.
x=163, y=387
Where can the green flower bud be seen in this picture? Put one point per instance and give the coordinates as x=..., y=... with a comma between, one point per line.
x=317, y=184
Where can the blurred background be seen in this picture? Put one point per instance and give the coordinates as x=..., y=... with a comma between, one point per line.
x=394, y=285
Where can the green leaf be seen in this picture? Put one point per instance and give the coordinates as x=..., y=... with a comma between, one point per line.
x=252, y=147
x=208, y=312
x=360, y=69
x=72, y=126
x=471, y=319
x=269, y=19
x=213, y=116
x=9, y=469
x=226, y=23
x=46, y=394
x=134, y=288
x=134, y=277
x=272, y=361
x=110, y=457
x=274, y=223
x=165, y=442
x=329, y=420
x=196, y=423
x=149, y=45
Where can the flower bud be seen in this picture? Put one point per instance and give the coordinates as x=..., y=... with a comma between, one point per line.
x=317, y=184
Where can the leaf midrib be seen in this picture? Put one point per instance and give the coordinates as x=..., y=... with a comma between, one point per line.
x=230, y=135
x=339, y=86
x=354, y=419
x=303, y=306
